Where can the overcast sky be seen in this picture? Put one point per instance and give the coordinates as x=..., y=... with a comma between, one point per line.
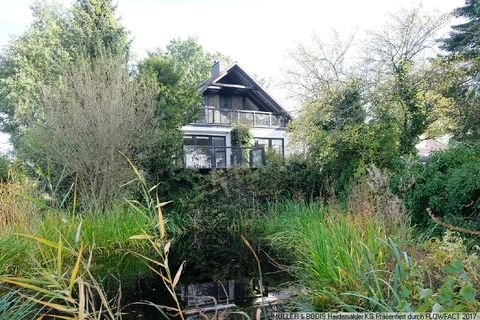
x=256, y=33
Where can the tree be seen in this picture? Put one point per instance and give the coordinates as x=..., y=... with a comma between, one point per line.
x=396, y=63
x=465, y=37
x=372, y=110
x=94, y=25
x=92, y=116
x=177, y=73
x=463, y=65
x=57, y=37
x=317, y=66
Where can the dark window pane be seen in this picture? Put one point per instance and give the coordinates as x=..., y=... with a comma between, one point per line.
x=262, y=143
x=218, y=141
x=225, y=102
x=202, y=141
x=187, y=140
x=220, y=158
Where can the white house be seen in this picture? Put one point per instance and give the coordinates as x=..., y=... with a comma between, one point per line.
x=232, y=98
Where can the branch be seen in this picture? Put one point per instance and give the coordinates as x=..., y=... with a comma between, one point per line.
x=451, y=227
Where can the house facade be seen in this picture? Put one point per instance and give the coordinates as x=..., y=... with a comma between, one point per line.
x=232, y=99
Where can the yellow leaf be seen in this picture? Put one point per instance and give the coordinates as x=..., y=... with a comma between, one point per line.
x=177, y=275
x=161, y=223
x=81, y=300
x=166, y=249
x=75, y=270
x=140, y=237
x=52, y=305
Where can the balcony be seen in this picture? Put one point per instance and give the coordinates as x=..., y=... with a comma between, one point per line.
x=249, y=118
x=209, y=157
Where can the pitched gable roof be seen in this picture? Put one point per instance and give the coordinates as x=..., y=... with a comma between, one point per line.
x=236, y=78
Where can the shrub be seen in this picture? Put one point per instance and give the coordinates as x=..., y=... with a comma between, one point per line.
x=449, y=184
x=241, y=137
x=95, y=112
x=15, y=210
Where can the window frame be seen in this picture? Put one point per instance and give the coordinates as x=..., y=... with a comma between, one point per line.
x=270, y=143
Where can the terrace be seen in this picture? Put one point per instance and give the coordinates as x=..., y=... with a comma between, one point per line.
x=209, y=157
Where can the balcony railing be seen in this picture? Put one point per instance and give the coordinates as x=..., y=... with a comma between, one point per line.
x=211, y=115
x=208, y=157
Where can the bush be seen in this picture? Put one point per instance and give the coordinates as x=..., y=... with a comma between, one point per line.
x=449, y=184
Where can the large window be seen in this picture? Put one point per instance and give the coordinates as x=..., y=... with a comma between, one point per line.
x=204, y=151
x=271, y=145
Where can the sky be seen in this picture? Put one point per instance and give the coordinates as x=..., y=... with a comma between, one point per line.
x=258, y=34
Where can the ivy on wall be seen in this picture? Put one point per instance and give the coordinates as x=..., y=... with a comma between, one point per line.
x=242, y=137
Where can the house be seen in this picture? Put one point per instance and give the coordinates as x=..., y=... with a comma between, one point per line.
x=427, y=146
x=231, y=98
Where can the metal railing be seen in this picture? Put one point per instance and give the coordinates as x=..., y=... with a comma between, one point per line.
x=208, y=157
x=250, y=118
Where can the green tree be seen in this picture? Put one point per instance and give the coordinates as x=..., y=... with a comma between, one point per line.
x=465, y=37
x=57, y=37
x=94, y=25
x=177, y=71
x=400, y=83
x=463, y=65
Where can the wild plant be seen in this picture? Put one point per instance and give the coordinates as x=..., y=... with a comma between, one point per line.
x=63, y=290
x=159, y=243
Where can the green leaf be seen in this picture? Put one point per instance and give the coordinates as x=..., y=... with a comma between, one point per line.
x=425, y=293
x=456, y=266
x=468, y=293
x=404, y=292
x=437, y=307
x=446, y=294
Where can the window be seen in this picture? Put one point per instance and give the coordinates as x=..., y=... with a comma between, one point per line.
x=225, y=102
x=204, y=151
x=271, y=145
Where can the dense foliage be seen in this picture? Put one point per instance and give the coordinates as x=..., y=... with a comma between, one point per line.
x=448, y=184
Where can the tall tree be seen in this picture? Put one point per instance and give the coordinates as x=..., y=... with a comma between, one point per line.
x=57, y=37
x=463, y=65
x=94, y=25
x=397, y=56
x=465, y=37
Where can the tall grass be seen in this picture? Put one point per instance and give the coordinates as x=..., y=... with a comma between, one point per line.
x=14, y=210
x=60, y=289
x=341, y=259
x=15, y=307
x=106, y=234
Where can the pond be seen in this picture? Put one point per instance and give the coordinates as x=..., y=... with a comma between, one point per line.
x=218, y=300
